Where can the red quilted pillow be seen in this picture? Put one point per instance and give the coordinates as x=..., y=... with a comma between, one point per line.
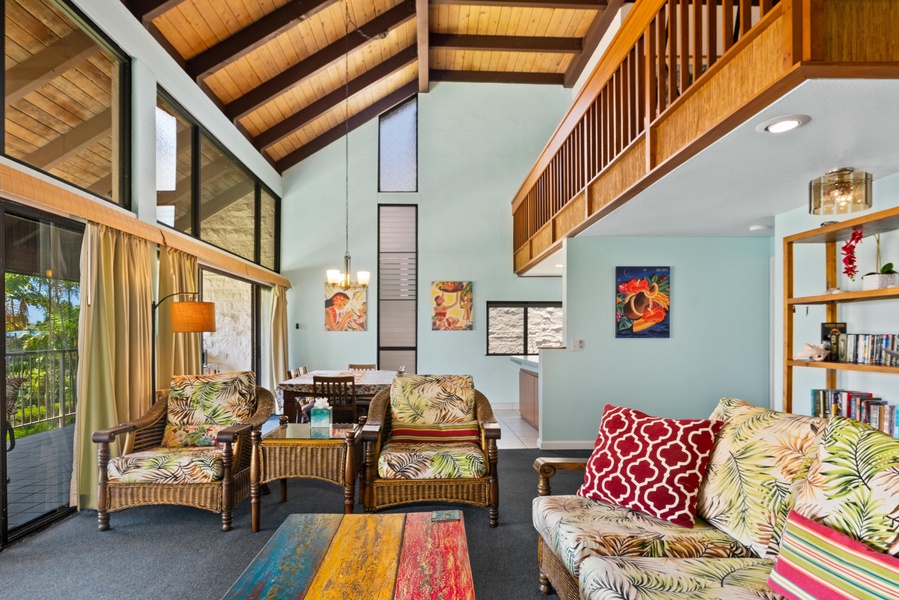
x=649, y=464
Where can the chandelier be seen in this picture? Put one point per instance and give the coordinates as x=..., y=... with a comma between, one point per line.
x=334, y=276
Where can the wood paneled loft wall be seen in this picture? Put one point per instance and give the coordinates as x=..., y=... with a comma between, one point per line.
x=27, y=189
x=679, y=75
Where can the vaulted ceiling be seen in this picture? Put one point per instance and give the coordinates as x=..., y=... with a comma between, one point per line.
x=278, y=68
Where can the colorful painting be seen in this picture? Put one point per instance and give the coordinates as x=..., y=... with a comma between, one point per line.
x=451, y=302
x=345, y=308
x=642, y=302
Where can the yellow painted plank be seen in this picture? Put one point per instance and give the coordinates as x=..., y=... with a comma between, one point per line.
x=362, y=559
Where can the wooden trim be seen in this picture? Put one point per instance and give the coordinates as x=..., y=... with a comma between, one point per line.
x=357, y=120
x=594, y=35
x=422, y=25
x=48, y=64
x=147, y=10
x=29, y=190
x=253, y=36
x=274, y=87
x=506, y=43
x=498, y=77
x=554, y=4
x=311, y=112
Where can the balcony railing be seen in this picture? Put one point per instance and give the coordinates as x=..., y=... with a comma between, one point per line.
x=46, y=394
x=678, y=75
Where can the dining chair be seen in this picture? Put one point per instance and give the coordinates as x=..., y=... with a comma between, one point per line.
x=341, y=395
x=361, y=367
x=298, y=372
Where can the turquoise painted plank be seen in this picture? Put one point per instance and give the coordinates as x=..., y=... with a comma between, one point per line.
x=284, y=568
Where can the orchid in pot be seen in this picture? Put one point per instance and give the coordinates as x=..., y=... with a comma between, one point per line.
x=883, y=277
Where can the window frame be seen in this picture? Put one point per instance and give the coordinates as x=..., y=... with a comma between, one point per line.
x=517, y=304
x=413, y=98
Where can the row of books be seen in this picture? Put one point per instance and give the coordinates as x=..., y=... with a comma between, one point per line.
x=861, y=406
x=860, y=348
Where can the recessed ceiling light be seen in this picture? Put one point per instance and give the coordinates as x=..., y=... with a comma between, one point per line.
x=559, y=266
x=758, y=228
x=783, y=124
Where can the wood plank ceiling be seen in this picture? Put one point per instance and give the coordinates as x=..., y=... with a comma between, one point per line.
x=277, y=68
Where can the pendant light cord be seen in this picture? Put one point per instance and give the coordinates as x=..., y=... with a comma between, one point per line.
x=346, y=123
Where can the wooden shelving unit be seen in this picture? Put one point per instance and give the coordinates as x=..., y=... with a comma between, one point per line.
x=879, y=222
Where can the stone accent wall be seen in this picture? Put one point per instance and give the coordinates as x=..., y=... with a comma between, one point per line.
x=230, y=346
x=507, y=328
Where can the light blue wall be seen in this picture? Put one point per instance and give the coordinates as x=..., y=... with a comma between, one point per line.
x=719, y=344
x=476, y=144
x=809, y=279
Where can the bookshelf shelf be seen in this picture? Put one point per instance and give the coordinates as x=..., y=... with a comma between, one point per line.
x=831, y=235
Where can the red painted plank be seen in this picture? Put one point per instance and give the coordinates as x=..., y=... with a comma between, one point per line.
x=434, y=563
x=286, y=565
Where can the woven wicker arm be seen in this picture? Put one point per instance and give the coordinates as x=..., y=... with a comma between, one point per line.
x=547, y=467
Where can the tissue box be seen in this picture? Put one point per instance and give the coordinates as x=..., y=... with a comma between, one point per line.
x=320, y=417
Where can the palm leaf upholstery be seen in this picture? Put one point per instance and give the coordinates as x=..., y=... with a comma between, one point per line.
x=398, y=473
x=756, y=458
x=214, y=477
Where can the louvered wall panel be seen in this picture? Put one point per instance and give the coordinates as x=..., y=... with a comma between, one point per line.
x=397, y=322
x=397, y=286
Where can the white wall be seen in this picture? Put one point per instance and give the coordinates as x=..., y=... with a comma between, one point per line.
x=718, y=345
x=809, y=279
x=476, y=144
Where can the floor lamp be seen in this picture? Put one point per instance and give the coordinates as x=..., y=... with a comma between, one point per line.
x=187, y=317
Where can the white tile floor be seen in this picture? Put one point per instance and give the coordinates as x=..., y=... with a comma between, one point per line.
x=517, y=433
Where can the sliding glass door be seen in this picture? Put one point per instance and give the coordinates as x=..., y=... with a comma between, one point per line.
x=39, y=262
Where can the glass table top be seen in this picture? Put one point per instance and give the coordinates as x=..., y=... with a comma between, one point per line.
x=304, y=431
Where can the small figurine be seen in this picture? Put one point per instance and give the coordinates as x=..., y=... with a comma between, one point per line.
x=812, y=353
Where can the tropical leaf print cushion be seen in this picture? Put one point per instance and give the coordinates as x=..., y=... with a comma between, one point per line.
x=168, y=465
x=431, y=461
x=432, y=399
x=183, y=436
x=853, y=484
x=215, y=399
x=756, y=457
x=607, y=578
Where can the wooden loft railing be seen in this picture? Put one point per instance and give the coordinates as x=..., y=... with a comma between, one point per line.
x=678, y=75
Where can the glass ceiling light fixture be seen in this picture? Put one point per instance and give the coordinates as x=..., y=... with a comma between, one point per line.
x=840, y=192
x=334, y=276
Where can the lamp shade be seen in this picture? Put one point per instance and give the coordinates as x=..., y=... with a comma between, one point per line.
x=192, y=317
x=840, y=192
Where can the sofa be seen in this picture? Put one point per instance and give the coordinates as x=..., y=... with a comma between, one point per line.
x=766, y=470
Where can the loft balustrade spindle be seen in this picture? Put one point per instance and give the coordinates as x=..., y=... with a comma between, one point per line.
x=697, y=39
x=727, y=19
x=745, y=17
x=765, y=6
x=684, y=45
x=711, y=31
x=672, y=50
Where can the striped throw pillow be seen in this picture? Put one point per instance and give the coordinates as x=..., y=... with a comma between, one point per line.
x=450, y=433
x=817, y=562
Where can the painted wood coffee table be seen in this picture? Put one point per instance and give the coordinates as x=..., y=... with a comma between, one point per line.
x=376, y=557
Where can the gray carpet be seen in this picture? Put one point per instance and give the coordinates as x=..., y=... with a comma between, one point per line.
x=176, y=552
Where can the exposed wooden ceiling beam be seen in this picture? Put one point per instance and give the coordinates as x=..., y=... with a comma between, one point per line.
x=561, y=4
x=147, y=10
x=335, y=133
x=253, y=36
x=48, y=64
x=67, y=145
x=597, y=29
x=506, y=43
x=325, y=103
x=423, y=42
x=325, y=57
x=497, y=77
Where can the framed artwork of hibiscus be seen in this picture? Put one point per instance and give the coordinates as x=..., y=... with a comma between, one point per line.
x=642, y=302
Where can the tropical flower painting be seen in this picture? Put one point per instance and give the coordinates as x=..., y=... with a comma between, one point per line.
x=642, y=302
x=451, y=303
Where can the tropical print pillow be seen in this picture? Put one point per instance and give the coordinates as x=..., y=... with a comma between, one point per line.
x=432, y=399
x=214, y=399
x=853, y=484
x=757, y=456
x=185, y=436
x=431, y=461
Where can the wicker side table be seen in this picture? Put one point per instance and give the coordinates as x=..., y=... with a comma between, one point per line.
x=300, y=451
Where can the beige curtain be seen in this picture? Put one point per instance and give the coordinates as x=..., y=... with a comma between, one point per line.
x=278, y=358
x=176, y=353
x=113, y=343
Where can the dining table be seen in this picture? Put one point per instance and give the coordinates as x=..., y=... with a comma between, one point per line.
x=368, y=383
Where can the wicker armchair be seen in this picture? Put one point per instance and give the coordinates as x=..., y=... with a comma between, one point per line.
x=146, y=435
x=378, y=492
